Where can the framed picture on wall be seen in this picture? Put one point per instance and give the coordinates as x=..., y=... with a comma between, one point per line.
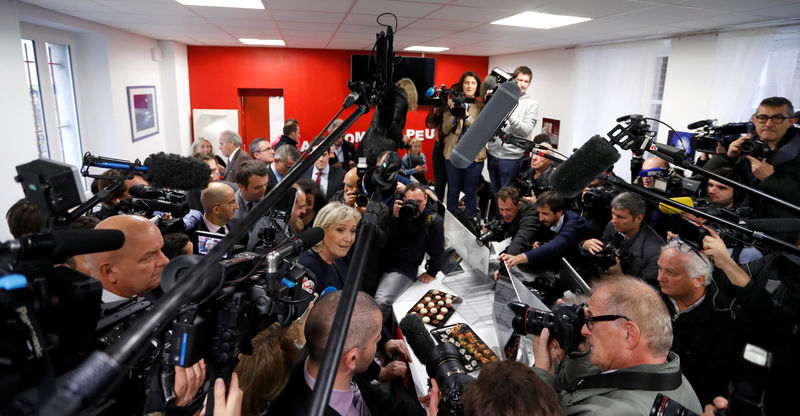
x=143, y=111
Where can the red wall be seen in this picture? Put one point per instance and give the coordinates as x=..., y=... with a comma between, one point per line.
x=314, y=82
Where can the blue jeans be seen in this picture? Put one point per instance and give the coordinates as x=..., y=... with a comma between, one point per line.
x=465, y=180
x=502, y=172
x=391, y=286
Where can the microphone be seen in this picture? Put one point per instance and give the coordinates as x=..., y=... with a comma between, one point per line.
x=580, y=169
x=63, y=243
x=628, y=117
x=163, y=170
x=658, y=172
x=432, y=91
x=671, y=210
x=417, y=337
x=292, y=246
x=351, y=99
x=488, y=121
x=699, y=124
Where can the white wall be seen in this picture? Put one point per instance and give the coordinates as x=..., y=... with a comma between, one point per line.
x=553, y=77
x=105, y=61
x=19, y=141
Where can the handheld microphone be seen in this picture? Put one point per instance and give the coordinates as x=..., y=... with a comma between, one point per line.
x=64, y=243
x=488, y=121
x=699, y=124
x=648, y=173
x=417, y=337
x=163, y=170
x=292, y=246
x=580, y=169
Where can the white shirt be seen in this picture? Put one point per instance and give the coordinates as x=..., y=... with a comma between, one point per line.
x=109, y=297
x=212, y=228
x=323, y=180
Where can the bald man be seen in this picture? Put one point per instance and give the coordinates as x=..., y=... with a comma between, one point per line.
x=219, y=206
x=134, y=269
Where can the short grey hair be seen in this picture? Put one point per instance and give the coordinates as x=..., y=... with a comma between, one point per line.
x=697, y=264
x=630, y=201
x=287, y=153
x=230, y=135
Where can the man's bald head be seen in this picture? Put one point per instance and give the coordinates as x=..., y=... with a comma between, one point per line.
x=219, y=203
x=351, y=178
x=134, y=269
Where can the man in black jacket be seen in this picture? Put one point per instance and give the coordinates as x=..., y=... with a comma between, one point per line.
x=705, y=335
x=351, y=394
x=778, y=171
x=409, y=239
x=518, y=219
x=627, y=231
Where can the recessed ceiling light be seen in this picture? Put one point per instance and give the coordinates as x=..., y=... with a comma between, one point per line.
x=540, y=20
x=238, y=4
x=425, y=49
x=267, y=42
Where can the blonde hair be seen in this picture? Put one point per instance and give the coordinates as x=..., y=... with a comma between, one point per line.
x=411, y=92
x=334, y=213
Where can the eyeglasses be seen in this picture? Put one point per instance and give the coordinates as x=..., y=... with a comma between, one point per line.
x=603, y=318
x=686, y=248
x=777, y=118
x=230, y=203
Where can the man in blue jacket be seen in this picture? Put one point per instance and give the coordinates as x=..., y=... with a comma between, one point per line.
x=569, y=228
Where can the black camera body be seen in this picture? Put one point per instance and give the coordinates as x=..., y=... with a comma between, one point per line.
x=439, y=99
x=757, y=148
x=564, y=323
x=494, y=230
x=409, y=210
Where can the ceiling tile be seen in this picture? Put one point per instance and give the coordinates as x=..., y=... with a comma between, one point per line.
x=719, y=22
x=593, y=8
x=404, y=9
x=733, y=5
x=666, y=14
x=228, y=13
x=370, y=20
x=783, y=12
x=470, y=14
x=340, y=6
x=306, y=16
x=512, y=5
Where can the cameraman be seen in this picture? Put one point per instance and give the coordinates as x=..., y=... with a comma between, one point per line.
x=505, y=160
x=778, y=171
x=640, y=245
x=516, y=218
x=629, y=333
x=413, y=232
x=348, y=194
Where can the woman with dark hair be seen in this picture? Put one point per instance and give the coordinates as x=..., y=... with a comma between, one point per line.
x=315, y=200
x=455, y=122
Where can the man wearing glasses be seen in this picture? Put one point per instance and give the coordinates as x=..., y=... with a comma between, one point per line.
x=778, y=173
x=629, y=333
x=262, y=150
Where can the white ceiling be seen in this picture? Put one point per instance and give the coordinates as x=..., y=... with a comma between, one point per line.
x=461, y=25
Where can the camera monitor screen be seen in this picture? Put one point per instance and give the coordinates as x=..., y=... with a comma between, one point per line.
x=206, y=241
x=682, y=140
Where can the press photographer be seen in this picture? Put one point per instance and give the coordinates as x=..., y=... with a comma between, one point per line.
x=415, y=229
x=638, y=244
x=629, y=333
x=768, y=160
x=517, y=218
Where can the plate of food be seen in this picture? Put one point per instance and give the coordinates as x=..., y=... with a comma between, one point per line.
x=435, y=307
x=473, y=350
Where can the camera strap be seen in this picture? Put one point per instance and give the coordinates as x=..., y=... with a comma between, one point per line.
x=628, y=380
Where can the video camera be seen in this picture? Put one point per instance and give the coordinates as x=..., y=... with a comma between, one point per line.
x=439, y=98
x=564, y=323
x=708, y=134
x=669, y=182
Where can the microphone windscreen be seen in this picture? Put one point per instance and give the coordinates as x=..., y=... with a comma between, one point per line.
x=673, y=210
x=698, y=124
x=430, y=92
x=580, y=169
x=69, y=242
x=311, y=237
x=501, y=105
x=417, y=337
x=168, y=170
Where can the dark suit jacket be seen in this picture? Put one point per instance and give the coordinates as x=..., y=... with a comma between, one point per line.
x=238, y=158
x=272, y=179
x=335, y=180
x=573, y=231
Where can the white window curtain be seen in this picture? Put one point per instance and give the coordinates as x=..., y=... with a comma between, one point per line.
x=781, y=74
x=739, y=63
x=612, y=81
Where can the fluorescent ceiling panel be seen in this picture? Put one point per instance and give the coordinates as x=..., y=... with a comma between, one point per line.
x=263, y=42
x=237, y=4
x=539, y=20
x=426, y=49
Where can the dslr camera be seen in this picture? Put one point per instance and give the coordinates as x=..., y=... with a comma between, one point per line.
x=409, y=210
x=494, y=229
x=757, y=148
x=564, y=323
